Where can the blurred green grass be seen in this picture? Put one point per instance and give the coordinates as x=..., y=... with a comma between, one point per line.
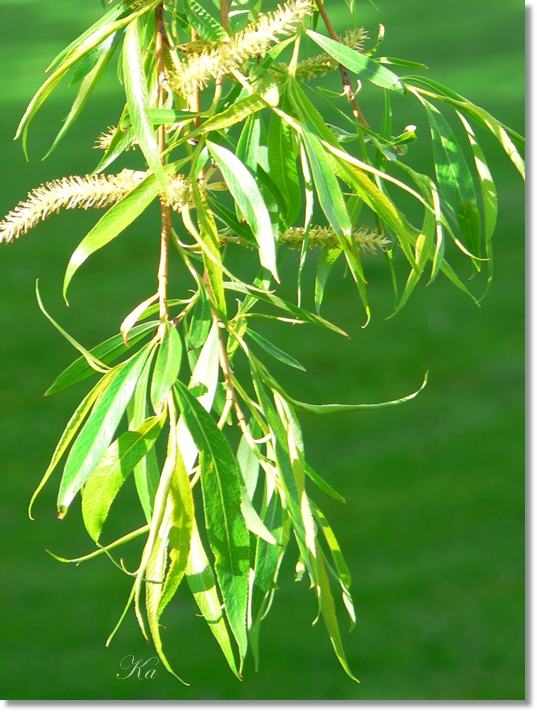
x=434, y=523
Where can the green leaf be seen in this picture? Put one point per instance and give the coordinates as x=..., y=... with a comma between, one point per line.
x=358, y=63
x=248, y=462
x=147, y=471
x=167, y=365
x=252, y=519
x=164, y=116
x=91, y=59
x=322, y=484
x=328, y=610
x=227, y=532
x=138, y=99
x=267, y=563
x=502, y=132
x=155, y=569
x=282, y=304
x=274, y=350
x=92, y=361
x=105, y=352
x=244, y=190
x=180, y=534
x=99, y=429
x=89, y=83
x=121, y=142
x=402, y=62
x=282, y=166
x=327, y=259
x=85, y=44
x=202, y=583
x=237, y=112
x=228, y=218
x=334, y=407
x=70, y=431
x=489, y=194
x=212, y=258
x=112, y=223
x=119, y=460
x=204, y=23
x=342, y=573
x=454, y=178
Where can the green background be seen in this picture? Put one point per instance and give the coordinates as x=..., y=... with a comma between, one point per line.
x=433, y=528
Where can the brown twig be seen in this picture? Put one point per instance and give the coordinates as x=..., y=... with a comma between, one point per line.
x=347, y=88
x=230, y=391
x=165, y=218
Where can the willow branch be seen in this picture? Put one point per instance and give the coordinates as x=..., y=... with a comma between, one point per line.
x=347, y=88
x=165, y=218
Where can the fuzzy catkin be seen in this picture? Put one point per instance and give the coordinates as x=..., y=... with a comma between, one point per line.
x=367, y=239
x=97, y=191
x=194, y=73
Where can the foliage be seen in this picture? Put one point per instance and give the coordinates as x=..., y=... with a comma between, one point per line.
x=248, y=169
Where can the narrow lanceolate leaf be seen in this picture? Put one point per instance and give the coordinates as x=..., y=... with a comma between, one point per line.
x=274, y=350
x=454, y=179
x=489, y=194
x=180, y=534
x=212, y=257
x=327, y=259
x=204, y=23
x=342, y=570
x=238, y=111
x=246, y=194
x=202, y=583
x=154, y=573
x=138, y=99
x=328, y=610
x=99, y=429
x=358, y=63
x=88, y=41
x=226, y=528
x=105, y=352
x=282, y=166
x=322, y=484
x=283, y=304
x=87, y=86
x=115, y=466
x=112, y=223
x=334, y=407
x=167, y=365
x=92, y=361
x=267, y=563
x=147, y=471
x=70, y=431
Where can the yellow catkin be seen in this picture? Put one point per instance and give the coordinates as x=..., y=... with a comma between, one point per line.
x=97, y=191
x=367, y=239
x=194, y=72
x=320, y=64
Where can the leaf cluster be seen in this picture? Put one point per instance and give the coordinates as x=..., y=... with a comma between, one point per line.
x=226, y=109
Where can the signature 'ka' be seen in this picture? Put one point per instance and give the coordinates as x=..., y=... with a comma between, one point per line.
x=223, y=113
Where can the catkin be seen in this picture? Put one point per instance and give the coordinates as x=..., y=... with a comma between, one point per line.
x=193, y=73
x=97, y=191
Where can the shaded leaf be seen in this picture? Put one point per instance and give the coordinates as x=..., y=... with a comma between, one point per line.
x=227, y=532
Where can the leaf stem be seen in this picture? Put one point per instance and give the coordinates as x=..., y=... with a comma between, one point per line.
x=347, y=88
x=165, y=218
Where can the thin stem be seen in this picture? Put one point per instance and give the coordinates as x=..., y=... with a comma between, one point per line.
x=165, y=218
x=347, y=88
x=230, y=391
x=224, y=16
